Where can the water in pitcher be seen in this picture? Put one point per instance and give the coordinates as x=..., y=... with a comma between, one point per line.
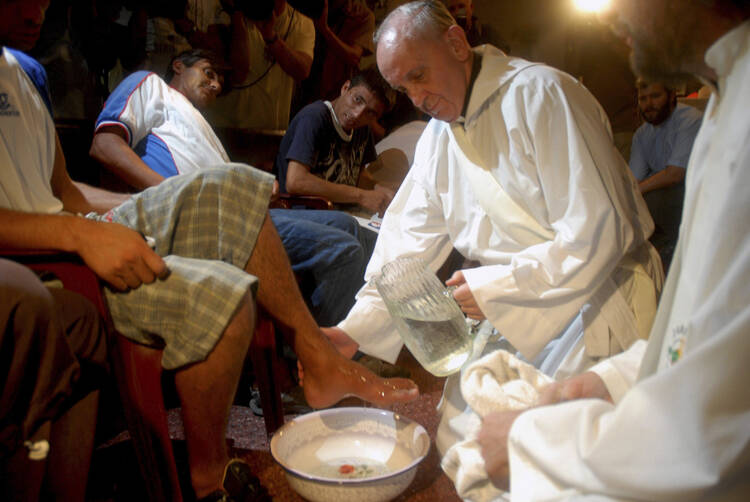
x=427, y=317
x=440, y=345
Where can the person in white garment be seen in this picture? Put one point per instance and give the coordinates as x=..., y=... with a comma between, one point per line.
x=674, y=423
x=517, y=170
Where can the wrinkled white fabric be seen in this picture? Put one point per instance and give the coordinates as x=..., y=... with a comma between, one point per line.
x=546, y=142
x=496, y=382
x=682, y=432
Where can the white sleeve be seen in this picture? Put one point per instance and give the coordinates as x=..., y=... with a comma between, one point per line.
x=303, y=37
x=412, y=226
x=619, y=372
x=673, y=436
x=136, y=105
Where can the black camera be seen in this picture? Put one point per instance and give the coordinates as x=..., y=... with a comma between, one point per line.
x=255, y=10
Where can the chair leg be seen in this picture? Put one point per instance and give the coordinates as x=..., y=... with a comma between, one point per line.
x=138, y=372
x=263, y=354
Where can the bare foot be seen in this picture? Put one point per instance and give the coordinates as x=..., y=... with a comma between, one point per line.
x=343, y=343
x=329, y=377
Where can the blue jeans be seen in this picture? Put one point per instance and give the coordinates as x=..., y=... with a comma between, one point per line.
x=329, y=252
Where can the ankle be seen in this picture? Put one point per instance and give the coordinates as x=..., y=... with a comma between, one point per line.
x=206, y=480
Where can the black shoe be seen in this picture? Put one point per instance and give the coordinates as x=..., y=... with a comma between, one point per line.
x=239, y=485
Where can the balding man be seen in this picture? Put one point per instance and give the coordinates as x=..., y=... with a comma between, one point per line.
x=516, y=170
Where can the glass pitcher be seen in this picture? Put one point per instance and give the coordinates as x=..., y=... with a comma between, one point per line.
x=427, y=317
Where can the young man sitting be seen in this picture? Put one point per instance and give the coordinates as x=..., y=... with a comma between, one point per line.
x=151, y=129
x=328, y=145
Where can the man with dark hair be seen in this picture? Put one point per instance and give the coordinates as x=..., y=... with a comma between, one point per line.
x=149, y=131
x=144, y=116
x=343, y=37
x=658, y=158
x=190, y=57
x=214, y=253
x=667, y=419
x=328, y=145
x=661, y=146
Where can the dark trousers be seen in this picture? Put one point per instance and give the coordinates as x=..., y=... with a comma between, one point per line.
x=52, y=353
x=665, y=206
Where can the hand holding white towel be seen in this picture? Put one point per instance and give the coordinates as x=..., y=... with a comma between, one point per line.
x=497, y=382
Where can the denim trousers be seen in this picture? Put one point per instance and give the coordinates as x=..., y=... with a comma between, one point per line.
x=329, y=251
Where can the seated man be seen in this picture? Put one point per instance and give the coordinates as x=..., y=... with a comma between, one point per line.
x=54, y=353
x=328, y=144
x=658, y=158
x=149, y=131
x=192, y=295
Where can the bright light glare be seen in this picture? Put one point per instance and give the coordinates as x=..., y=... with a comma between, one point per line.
x=591, y=5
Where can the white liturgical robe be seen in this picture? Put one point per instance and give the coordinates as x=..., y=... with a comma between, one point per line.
x=551, y=213
x=683, y=431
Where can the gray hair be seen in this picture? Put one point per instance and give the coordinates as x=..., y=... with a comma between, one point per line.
x=426, y=18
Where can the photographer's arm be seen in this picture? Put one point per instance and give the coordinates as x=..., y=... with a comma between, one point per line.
x=295, y=63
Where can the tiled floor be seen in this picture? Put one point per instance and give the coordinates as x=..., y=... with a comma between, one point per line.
x=247, y=433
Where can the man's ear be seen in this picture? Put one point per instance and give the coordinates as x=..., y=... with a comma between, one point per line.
x=456, y=40
x=346, y=87
x=178, y=67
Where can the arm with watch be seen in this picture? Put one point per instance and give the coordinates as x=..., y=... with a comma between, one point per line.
x=295, y=63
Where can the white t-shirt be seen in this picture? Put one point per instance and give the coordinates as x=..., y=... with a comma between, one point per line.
x=25, y=111
x=162, y=126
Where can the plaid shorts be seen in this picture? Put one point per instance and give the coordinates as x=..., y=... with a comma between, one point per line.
x=205, y=225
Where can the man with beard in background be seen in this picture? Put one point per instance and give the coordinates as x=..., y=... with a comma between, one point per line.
x=667, y=419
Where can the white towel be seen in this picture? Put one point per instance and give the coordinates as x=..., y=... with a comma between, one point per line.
x=497, y=382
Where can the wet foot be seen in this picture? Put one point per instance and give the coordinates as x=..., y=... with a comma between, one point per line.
x=329, y=377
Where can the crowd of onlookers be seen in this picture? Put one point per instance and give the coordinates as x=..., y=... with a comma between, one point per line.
x=278, y=55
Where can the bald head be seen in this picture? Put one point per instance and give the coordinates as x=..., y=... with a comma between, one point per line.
x=413, y=21
x=422, y=52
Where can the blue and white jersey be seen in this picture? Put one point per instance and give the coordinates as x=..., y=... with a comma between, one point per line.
x=166, y=131
x=27, y=135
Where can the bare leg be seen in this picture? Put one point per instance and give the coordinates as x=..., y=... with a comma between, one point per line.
x=329, y=376
x=206, y=391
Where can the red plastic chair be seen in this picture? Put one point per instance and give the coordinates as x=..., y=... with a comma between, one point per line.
x=138, y=372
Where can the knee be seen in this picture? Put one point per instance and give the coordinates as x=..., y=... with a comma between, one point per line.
x=344, y=222
x=22, y=291
x=242, y=324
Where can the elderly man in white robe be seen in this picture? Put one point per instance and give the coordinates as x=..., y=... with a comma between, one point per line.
x=679, y=428
x=518, y=171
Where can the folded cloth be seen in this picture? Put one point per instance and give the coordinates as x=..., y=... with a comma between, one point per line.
x=497, y=382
